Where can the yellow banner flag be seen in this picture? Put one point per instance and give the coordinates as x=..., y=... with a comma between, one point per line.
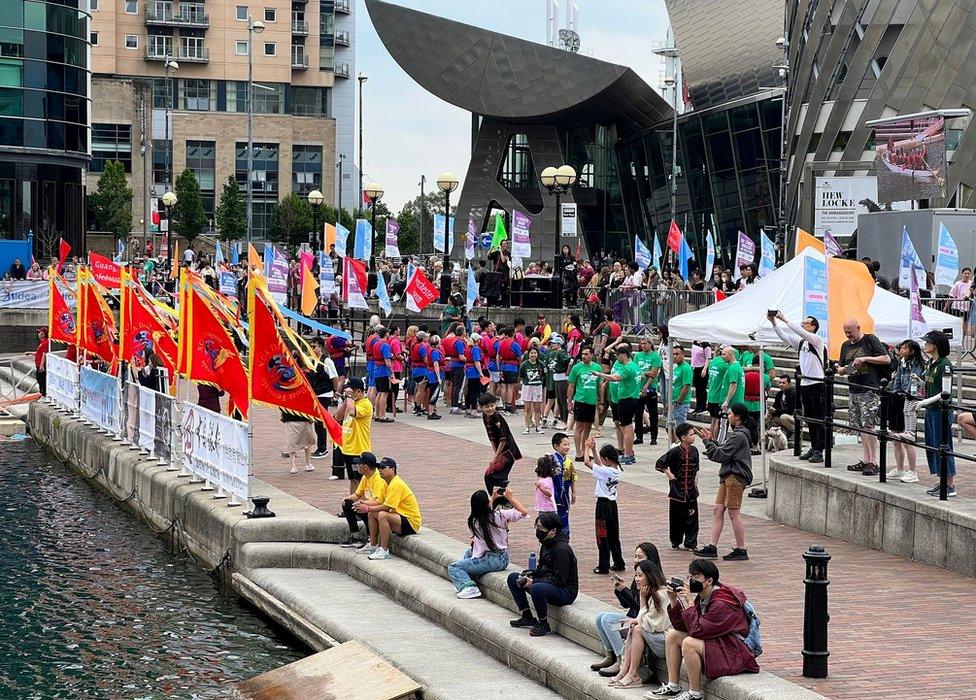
x=310, y=291
x=174, y=268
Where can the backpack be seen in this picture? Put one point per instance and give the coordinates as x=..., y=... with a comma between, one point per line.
x=753, y=640
x=753, y=380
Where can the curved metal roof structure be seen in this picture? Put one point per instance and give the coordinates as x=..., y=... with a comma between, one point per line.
x=495, y=75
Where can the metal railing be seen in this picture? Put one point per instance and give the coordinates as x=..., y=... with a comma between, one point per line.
x=299, y=26
x=342, y=37
x=299, y=61
x=342, y=6
x=195, y=54
x=186, y=17
x=341, y=69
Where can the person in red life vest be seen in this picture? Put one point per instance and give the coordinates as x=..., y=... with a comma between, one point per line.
x=435, y=372
x=518, y=333
x=473, y=372
x=382, y=373
x=371, y=338
x=509, y=358
x=396, y=346
x=489, y=352
x=418, y=354
x=338, y=349
x=40, y=360
x=447, y=378
x=456, y=350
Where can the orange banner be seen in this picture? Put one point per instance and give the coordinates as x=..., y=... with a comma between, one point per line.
x=850, y=289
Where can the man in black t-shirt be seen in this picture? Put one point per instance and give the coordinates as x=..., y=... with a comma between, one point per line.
x=863, y=359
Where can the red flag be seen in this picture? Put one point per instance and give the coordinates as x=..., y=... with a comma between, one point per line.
x=209, y=353
x=276, y=378
x=578, y=250
x=719, y=295
x=674, y=237
x=421, y=290
x=106, y=272
x=143, y=330
x=96, y=326
x=64, y=250
x=61, y=319
x=354, y=281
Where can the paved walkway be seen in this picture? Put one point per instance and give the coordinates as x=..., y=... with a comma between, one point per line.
x=895, y=624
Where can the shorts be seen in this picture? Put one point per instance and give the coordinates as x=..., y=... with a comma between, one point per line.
x=419, y=374
x=863, y=408
x=626, y=410
x=494, y=375
x=509, y=377
x=730, y=493
x=383, y=385
x=532, y=393
x=301, y=435
x=405, y=527
x=584, y=412
x=370, y=374
x=679, y=412
x=433, y=379
x=714, y=410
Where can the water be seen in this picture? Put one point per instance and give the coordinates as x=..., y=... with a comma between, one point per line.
x=93, y=605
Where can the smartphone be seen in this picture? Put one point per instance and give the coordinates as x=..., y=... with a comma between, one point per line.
x=616, y=579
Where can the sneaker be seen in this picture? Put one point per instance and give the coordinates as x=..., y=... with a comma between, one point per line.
x=950, y=492
x=871, y=469
x=601, y=572
x=688, y=695
x=434, y=416
x=525, y=431
x=675, y=546
x=859, y=467
x=709, y=551
x=579, y=458
x=691, y=546
x=286, y=455
x=469, y=592
x=807, y=455
x=736, y=555
x=320, y=455
x=540, y=630
x=380, y=553
x=934, y=491
x=665, y=691
x=352, y=542
x=910, y=477
x=455, y=411
x=895, y=473
x=653, y=442
x=365, y=548
x=816, y=457
x=638, y=441
x=545, y=423
x=538, y=430
x=526, y=620
x=309, y=468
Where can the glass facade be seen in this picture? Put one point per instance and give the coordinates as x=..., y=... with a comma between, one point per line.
x=264, y=182
x=111, y=142
x=44, y=111
x=728, y=180
x=306, y=169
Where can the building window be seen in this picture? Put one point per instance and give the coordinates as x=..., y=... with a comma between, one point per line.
x=242, y=13
x=306, y=169
x=160, y=150
x=241, y=48
x=93, y=5
x=264, y=174
x=268, y=101
x=517, y=171
x=192, y=47
x=201, y=158
x=131, y=7
x=160, y=45
x=270, y=14
x=132, y=41
x=197, y=95
x=161, y=90
x=93, y=38
x=308, y=101
x=270, y=48
x=111, y=142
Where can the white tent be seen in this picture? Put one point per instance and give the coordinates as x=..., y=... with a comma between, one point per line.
x=741, y=318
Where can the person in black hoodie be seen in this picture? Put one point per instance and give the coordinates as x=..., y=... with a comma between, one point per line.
x=735, y=474
x=554, y=582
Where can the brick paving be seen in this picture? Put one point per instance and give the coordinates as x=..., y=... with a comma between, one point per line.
x=896, y=625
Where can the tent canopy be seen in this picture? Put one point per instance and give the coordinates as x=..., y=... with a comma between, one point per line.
x=741, y=318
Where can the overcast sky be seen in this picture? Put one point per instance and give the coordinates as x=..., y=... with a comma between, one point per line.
x=409, y=132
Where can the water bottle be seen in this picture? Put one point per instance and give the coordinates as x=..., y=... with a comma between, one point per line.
x=914, y=388
x=947, y=380
x=532, y=562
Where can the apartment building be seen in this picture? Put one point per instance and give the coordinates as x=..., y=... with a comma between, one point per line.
x=158, y=118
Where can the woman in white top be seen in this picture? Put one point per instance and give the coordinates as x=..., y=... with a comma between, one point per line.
x=648, y=627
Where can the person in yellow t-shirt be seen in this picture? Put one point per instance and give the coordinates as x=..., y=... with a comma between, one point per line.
x=356, y=415
x=399, y=512
x=371, y=491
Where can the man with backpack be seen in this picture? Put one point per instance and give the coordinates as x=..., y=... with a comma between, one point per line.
x=714, y=629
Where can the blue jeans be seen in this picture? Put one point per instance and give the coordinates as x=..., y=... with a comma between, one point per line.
x=933, y=438
x=543, y=595
x=467, y=568
x=679, y=412
x=608, y=629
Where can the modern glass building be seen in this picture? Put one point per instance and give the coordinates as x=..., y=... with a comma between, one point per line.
x=44, y=115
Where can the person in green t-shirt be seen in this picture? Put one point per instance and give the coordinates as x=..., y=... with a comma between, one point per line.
x=625, y=390
x=681, y=380
x=531, y=374
x=749, y=354
x=557, y=365
x=649, y=363
x=583, y=382
x=716, y=374
x=733, y=382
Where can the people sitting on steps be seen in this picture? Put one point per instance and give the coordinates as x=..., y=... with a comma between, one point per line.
x=399, y=512
x=647, y=630
x=370, y=492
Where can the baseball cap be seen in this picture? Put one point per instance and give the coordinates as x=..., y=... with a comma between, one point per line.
x=368, y=458
x=388, y=462
x=593, y=297
x=556, y=338
x=476, y=337
x=356, y=384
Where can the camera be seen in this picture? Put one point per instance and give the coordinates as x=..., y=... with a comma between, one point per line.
x=770, y=313
x=676, y=583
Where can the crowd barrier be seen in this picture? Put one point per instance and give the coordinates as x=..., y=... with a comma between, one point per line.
x=214, y=450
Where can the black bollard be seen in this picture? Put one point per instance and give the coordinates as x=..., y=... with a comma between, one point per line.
x=883, y=432
x=815, y=614
x=260, y=509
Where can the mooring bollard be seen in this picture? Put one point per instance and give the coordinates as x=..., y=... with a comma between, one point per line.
x=815, y=613
x=260, y=509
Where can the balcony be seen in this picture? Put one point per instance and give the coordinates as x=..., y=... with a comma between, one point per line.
x=299, y=59
x=341, y=69
x=188, y=18
x=342, y=37
x=184, y=18
x=193, y=54
x=299, y=27
x=342, y=6
x=159, y=53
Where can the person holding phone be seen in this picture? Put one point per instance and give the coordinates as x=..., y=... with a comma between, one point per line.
x=488, y=524
x=648, y=628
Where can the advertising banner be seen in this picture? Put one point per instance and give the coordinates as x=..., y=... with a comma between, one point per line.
x=521, y=245
x=947, y=262
x=838, y=201
x=568, y=226
x=910, y=159
x=392, y=238
x=442, y=237
x=163, y=426
x=215, y=448
x=469, y=239
x=100, y=400
x=745, y=253
x=147, y=419
x=815, y=291
x=62, y=382
x=131, y=392
x=21, y=294
x=228, y=283
x=276, y=272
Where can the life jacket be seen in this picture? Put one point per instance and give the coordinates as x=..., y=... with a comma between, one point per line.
x=447, y=346
x=505, y=352
x=376, y=352
x=469, y=357
x=487, y=344
x=429, y=360
x=368, y=345
x=522, y=340
x=418, y=355
x=752, y=385
x=335, y=353
x=615, y=329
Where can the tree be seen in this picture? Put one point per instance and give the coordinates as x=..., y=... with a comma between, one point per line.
x=291, y=221
x=112, y=201
x=187, y=216
x=422, y=240
x=231, y=214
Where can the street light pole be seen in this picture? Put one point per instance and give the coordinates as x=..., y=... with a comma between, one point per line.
x=423, y=212
x=169, y=200
x=558, y=181
x=672, y=82
x=315, y=198
x=373, y=193
x=342, y=157
x=784, y=72
x=253, y=27
x=362, y=78
x=169, y=67
x=447, y=182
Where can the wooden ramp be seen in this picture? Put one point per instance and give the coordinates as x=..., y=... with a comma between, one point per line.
x=350, y=670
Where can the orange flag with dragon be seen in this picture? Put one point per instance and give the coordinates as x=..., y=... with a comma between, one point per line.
x=96, y=325
x=143, y=330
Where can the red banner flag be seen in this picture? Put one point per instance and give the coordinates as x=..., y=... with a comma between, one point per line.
x=142, y=331
x=276, y=378
x=61, y=319
x=96, y=324
x=719, y=295
x=674, y=237
x=421, y=290
x=106, y=272
x=64, y=250
x=354, y=281
x=209, y=353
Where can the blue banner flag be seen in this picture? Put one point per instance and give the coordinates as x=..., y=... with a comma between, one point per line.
x=910, y=261
x=235, y=253
x=947, y=261
x=327, y=285
x=382, y=295
x=314, y=325
x=342, y=240
x=767, y=254
x=472, y=296
x=641, y=253
x=657, y=253
x=709, y=255
x=684, y=255
x=815, y=291
x=363, y=245
x=218, y=253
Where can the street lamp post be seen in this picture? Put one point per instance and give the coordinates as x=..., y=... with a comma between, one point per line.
x=373, y=193
x=558, y=181
x=169, y=67
x=362, y=77
x=315, y=198
x=447, y=182
x=342, y=157
x=784, y=72
x=671, y=82
x=253, y=27
x=169, y=199
x=423, y=212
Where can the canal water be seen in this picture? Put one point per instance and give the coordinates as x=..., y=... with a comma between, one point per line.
x=93, y=605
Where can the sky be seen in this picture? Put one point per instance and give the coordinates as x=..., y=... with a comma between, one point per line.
x=408, y=132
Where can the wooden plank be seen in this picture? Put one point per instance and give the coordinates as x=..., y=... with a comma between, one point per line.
x=350, y=670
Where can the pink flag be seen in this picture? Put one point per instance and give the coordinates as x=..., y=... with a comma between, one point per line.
x=307, y=259
x=831, y=246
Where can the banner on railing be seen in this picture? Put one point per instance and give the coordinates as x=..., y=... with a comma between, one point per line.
x=24, y=294
x=162, y=425
x=132, y=418
x=62, y=382
x=100, y=400
x=215, y=448
x=146, y=407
